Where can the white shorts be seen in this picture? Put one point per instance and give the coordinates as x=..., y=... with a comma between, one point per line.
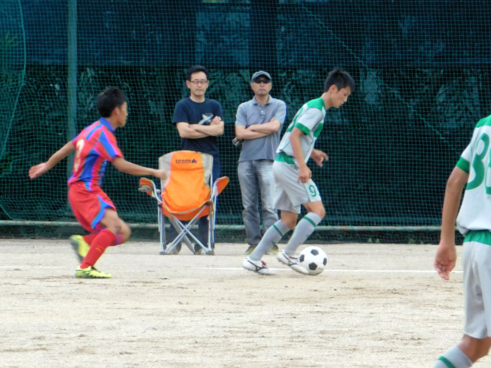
x=289, y=193
x=477, y=285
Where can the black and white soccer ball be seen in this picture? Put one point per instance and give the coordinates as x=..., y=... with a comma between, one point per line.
x=313, y=259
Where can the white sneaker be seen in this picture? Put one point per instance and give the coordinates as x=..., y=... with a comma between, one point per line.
x=257, y=267
x=291, y=262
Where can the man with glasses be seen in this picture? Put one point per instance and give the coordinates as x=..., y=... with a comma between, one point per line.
x=258, y=126
x=199, y=121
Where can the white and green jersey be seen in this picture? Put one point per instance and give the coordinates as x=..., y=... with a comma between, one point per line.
x=475, y=212
x=310, y=120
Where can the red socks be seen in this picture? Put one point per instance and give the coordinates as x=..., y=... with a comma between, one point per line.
x=100, y=242
x=90, y=238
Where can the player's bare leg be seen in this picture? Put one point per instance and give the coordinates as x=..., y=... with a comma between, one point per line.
x=289, y=218
x=124, y=234
x=475, y=348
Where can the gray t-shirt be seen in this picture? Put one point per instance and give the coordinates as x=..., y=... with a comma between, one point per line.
x=250, y=113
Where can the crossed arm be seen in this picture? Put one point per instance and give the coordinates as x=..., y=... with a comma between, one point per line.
x=257, y=130
x=195, y=131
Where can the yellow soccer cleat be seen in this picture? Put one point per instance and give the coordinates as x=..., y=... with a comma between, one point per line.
x=91, y=273
x=80, y=247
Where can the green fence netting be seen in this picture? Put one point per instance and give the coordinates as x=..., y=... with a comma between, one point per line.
x=421, y=67
x=12, y=70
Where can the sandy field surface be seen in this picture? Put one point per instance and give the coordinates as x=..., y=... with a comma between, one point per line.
x=376, y=305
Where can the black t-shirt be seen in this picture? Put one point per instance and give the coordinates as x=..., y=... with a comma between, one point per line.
x=188, y=111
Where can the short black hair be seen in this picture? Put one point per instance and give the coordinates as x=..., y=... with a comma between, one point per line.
x=109, y=99
x=340, y=79
x=196, y=69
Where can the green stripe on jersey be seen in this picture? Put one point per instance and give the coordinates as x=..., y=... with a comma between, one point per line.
x=484, y=121
x=317, y=103
x=463, y=165
x=479, y=236
x=447, y=362
x=303, y=128
x=317, y=131
x=283, y=157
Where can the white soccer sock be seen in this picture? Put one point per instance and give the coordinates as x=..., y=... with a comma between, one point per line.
x=303, y=230
x=270, y=238
x=454, y=357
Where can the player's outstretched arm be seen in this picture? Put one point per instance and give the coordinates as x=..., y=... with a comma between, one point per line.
x=38, y=170
x=446, y=255
x=133, y=169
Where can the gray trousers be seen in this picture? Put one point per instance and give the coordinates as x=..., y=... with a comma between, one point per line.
x=257, y=177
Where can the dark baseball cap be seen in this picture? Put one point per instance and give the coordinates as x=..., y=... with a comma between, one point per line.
x=259, y=74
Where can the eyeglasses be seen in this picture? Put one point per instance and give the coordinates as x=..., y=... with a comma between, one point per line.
x=199, y=81
x=258, y=81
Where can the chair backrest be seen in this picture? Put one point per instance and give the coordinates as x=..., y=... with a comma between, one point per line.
x=189, y=179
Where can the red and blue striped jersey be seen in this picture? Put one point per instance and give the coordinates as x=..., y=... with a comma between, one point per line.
x=94, y=146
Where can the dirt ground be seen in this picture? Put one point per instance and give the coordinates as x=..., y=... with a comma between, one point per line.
x=376, y=305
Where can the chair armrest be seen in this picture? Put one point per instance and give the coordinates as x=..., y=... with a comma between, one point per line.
x=220, y=185
x=148, y=186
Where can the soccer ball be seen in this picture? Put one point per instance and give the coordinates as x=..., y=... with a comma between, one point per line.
x=313, y=259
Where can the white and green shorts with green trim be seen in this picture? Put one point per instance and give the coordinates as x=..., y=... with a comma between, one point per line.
x=477, y=283
x=289, y=193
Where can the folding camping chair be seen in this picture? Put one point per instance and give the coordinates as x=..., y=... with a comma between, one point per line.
x=189, y=193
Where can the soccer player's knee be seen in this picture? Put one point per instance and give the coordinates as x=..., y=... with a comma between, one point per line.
x=321, y=212
x=290, y=223
x=115, y=227
x=125, y=232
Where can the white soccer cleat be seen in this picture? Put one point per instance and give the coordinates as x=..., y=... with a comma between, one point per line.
x=257, y=267
x=292, y=262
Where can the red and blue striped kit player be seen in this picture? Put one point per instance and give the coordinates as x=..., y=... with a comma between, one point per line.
x=94, y=146
x=94, y=210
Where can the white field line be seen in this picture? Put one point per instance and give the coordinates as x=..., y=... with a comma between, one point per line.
x=241, y=269
x=331, y=271
x=25, y=266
